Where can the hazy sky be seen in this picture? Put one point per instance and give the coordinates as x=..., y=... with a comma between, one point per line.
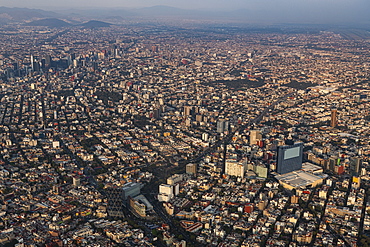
x=191, y=4
x=335, y=10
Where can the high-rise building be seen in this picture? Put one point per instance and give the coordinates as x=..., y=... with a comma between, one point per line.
x=333, y=118
x=261, y=170
x=32, y=62
x=262, y=204
x=234, y=168
x=199, y=118
x=157, y=113
x=187, y=110
x=117, y=196
x=222, y=125
x=205, y=137
x=166, y=192
x=115, y=202
x=191, y=169
x=76, y=181
x=56, y=189
x=254, y=137
x=331, y=163
x=289, y=158
x=355, y=166
x=48, y=61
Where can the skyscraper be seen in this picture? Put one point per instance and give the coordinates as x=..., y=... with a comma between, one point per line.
x=187, y=110
x=115, y=202
x=355, y=166
x=331, y=163
x=289, y=158
x=333, y=118
x=222, y=125
x=254, y=137
x=32, y=62
x=157, y=113
x=48, y=61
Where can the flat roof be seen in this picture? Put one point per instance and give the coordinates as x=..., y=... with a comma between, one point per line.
x=298, y=179
x=309, y=167
x=130, y=185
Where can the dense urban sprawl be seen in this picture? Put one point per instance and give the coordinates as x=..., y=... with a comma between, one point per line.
x=147, y=135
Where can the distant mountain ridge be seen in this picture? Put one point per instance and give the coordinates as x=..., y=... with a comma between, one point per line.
x=95, y=24
x=24, y=14
x=57, y=23
x=49, y=22
x=161, y=12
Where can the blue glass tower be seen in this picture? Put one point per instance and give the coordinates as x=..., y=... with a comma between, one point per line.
x=289, y=158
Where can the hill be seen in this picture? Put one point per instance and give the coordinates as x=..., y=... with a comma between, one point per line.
x=23, y=14
x=96, y=24
x=49, y=22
